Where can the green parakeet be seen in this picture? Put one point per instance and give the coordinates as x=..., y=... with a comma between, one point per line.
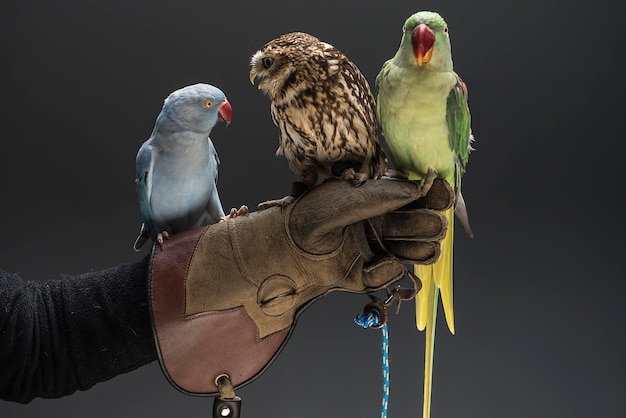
x=423, y=113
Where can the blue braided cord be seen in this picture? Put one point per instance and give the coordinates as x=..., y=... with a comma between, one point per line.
x=370, y=319
x=385, y=355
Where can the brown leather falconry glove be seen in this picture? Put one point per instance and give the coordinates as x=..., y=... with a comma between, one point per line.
x=225, y=297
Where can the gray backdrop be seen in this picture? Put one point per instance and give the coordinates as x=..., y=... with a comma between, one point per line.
x=538, y=291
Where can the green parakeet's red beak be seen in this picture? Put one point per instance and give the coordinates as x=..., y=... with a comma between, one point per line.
x=225, y=112
x=423, y=40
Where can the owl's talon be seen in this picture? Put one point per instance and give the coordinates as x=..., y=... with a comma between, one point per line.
x=392, y=174
x=358, y=182
x=355, y=178
x=285, y=201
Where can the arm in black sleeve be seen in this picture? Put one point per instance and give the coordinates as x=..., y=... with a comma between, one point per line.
x=60, y=336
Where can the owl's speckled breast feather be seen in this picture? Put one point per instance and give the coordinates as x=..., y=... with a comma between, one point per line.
x=322, y=106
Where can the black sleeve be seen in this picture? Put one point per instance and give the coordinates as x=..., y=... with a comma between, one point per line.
x=60, y=336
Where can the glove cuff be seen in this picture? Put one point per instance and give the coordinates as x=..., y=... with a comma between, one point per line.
x=194, y=349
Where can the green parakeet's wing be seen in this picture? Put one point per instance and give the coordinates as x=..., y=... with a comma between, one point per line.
x=458, y=118
x=459, y=128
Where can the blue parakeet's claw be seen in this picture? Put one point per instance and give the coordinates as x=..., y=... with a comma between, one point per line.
x=177, y=166
x=162, y=236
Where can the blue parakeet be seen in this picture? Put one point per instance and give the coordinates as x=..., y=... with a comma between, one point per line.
x=177, y=166
x=423, y=113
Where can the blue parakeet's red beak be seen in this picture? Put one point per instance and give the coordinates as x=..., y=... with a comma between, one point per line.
x=225, y=112
x=423, y=40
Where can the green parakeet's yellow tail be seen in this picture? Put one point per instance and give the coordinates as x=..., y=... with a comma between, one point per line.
x=436, y=279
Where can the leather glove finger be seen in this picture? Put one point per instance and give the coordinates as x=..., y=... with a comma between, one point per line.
x=318, y=218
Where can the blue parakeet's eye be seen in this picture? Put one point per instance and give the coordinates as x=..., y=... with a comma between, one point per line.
x=267, y=62
x=208, y=103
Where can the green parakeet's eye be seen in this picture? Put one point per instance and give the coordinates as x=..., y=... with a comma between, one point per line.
x=267, y=62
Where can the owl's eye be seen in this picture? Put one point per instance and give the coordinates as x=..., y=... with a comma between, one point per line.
x=267, y=62
x=208, y=103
